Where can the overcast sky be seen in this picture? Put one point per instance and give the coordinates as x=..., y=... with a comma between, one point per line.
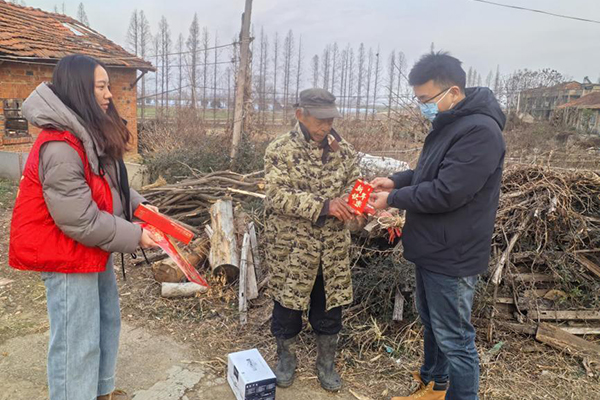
x=481, y=35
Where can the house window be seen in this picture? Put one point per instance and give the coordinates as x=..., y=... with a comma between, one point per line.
x=15, y=126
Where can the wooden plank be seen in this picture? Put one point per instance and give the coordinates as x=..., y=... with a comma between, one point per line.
x=585, y=315
x=586, y=262
x=505, y=300
x=398, y=306
x=531, y=278
x=559, y=339
x=243, y=300
x=251, y=285
x=254, y=246
x=582, y=330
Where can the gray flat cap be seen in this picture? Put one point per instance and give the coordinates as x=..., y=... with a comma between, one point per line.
x=319, y=103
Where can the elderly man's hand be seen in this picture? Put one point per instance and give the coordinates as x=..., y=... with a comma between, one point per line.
x=382, y=184
x=379, y=200
x=340, y=209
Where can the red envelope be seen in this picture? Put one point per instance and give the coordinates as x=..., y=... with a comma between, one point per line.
x=359, y=197
x=171, y=249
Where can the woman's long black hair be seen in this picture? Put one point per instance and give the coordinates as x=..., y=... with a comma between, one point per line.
x=73, y=82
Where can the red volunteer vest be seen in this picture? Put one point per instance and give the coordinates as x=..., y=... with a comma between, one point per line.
x=36, y=242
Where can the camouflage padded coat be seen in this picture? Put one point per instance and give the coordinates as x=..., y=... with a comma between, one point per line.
x=297, y=185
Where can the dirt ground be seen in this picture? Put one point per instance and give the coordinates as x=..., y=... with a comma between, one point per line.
x=177, y=349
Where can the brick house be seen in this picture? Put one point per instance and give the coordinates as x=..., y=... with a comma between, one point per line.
x=541, y=102
x=582, y=114
x=32, y=41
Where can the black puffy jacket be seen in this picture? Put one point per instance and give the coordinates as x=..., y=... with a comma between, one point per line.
x=451, y=197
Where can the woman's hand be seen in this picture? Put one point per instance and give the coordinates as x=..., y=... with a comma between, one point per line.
x=147, y=241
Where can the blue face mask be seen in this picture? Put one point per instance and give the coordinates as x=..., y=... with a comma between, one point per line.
x=431, y=110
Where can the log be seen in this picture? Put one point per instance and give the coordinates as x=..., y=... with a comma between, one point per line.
x=567, y=315
x=398, y=306
x=167, y=271
x=243, y=300
x=200, y=250
x=586, y=262
x=187, y=289
x=223, y=255
x=556, y=337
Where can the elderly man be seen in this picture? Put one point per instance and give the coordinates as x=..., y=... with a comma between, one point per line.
x=308, y=171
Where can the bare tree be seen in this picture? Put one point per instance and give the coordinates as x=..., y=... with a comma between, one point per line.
x=215, y=77
x=156, y=43
x=351, y=78
x=315, y=70
x=377, y=72
x=361, y=72
x=299, y=69
x=205, y=45
x=369, y=75
x=391, y=79
x=264, y=46
x=497, y=82
x=401, y=68
x=133, y=33
x=488, y=80
x=325, y=61
x=343, y=79
x=470, y=77
x=334, y=60
x=144, y=42
x=193, y=47
x=165, y=50
x=260, y=89
x=288, y=50
x=180, y=47
x=479, y=80
x=275, y=55
x=81, y=15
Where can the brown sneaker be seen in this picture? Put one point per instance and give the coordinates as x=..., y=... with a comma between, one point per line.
x=424, y=392
x=116, y=395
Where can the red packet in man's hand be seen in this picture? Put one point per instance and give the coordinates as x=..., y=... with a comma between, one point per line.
x=359, y=198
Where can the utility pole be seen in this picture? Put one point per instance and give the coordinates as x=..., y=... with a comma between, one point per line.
x=238, y=114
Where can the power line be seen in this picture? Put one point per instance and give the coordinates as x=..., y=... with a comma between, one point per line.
x=538, y=11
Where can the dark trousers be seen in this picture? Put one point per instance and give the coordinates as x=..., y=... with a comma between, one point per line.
x=444, y=304
x=287, y=323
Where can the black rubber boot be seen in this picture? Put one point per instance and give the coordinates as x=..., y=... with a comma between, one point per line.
x=286, y=362
x=328, y=376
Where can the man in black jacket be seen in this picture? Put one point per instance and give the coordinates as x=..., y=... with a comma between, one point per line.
x=450, y=199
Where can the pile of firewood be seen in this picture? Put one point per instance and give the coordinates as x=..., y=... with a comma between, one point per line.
x=545, y=273
x=189, y=201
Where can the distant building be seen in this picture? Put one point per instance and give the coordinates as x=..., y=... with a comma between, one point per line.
x=32, y=41
x=582, y=114
x=541, y=102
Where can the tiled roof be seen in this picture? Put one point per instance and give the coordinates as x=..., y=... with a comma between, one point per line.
x=573, y=85
x=591, y=101
x=31, y=34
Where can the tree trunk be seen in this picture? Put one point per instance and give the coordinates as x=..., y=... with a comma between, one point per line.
x=223, y=255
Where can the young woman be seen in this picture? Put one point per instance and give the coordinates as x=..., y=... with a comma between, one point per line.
x=73, y=210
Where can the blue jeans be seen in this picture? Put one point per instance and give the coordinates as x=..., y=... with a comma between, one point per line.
x=444, y=304
x=85, y=322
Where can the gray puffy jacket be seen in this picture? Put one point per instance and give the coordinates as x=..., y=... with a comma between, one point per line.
x=65, y=189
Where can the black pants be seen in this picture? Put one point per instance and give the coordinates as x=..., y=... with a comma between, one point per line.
x=287, y=323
